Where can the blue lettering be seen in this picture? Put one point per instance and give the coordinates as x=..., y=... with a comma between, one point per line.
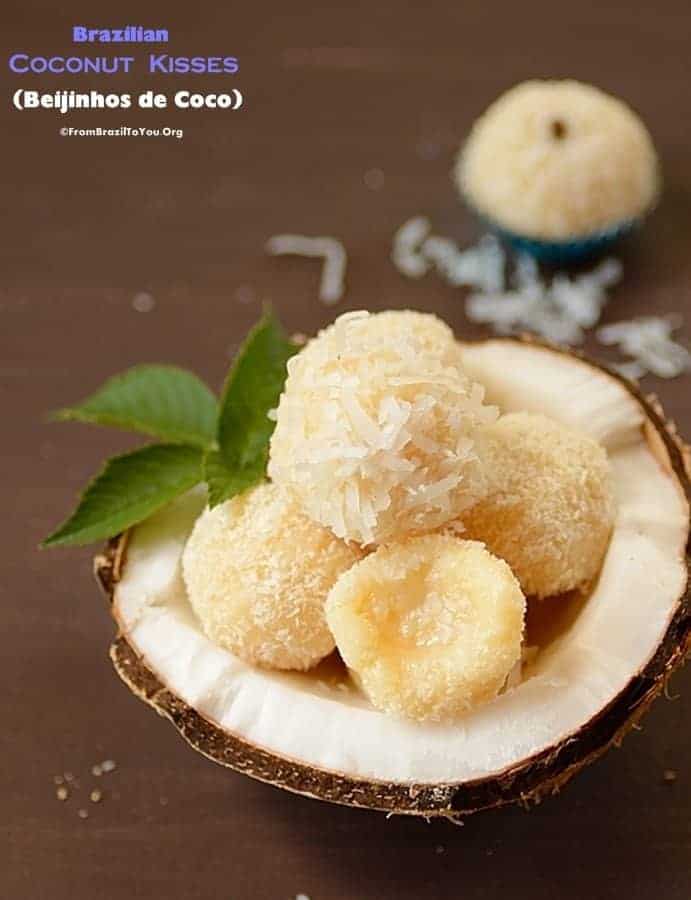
x=157, y=63
x=15, y=61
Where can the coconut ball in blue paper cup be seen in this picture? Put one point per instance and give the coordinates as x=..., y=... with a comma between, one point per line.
x=559, y=169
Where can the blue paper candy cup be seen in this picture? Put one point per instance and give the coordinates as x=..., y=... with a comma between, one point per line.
x=568, y=252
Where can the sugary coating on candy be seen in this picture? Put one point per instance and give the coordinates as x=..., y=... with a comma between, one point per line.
x=558, y=159
x=549, y=509
x=375, y=427
x=257, y=572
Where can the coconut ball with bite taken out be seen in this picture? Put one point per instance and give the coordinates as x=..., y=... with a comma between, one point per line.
x=257, y=572
x=430, y=627
x=375, y=427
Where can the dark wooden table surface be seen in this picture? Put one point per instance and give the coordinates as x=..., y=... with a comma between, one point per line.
x=332, y=92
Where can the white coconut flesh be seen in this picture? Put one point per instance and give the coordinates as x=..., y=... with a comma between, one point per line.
x=320, y=720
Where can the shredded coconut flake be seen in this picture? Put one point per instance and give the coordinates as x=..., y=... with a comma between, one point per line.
x=481, y=266
x=406, y=253
x=416, y=250
x=332, y=284
x=649, y=342
x=559, y=311
x=375, y=426
x=632, y=370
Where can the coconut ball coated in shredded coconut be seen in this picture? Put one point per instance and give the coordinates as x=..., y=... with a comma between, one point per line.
x=557, y=160
x=360, y=328
x=549, y=509
x=257, y=572
x=375, y=427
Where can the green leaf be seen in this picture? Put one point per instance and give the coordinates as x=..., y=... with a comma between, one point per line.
x=252, y=388
x=130, y=488
x=225, y=482
x=163, y=401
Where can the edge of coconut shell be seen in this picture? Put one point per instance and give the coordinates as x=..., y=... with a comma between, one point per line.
x=527, y=782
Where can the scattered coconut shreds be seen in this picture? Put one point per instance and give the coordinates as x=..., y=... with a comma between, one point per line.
x=406, y=253
x=560, y=311
x=64, y=783
x=416, y=250
x=632, y=370
x=584, y=297
x=481, y=266
x=514, y=312
x=67, y=785
x=332, y=284
x=648, y=341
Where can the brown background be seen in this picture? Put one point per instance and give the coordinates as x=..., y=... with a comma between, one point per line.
x=90, y=223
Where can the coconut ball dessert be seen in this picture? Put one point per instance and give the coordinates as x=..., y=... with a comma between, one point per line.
x=559, y=167
x=257, y=573
x=430, y=627
x=452, y=689
x=549, y=508
x=374, y=431
x=429, y=333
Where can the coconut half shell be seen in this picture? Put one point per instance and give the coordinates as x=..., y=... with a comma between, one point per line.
x=312, y=734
